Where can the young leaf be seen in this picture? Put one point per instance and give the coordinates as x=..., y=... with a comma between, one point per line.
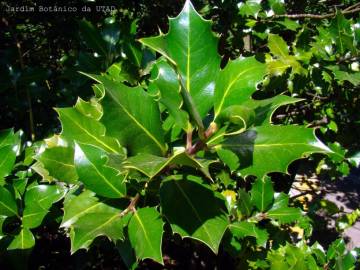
x=8, y=205
x=24, y=240
x=145, y=234
x=280, y=144
x=283, y=59
x=184, y=46
x=90, y=163
x=38, y=200
x=237, y=82
x=243, y=229
x=194, y=210
x=262, y=193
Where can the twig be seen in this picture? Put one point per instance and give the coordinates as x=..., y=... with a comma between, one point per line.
x=316, y=16
x=352, y=7
x=131, y=206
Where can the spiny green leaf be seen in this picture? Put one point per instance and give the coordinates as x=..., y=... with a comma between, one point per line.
x=90, y=163
x=90, y=108
x=184, y=46
x=151, y=165
x=76, y=126
x=244, y=203
x=250, y=8
x=341, y=33
x=340, y=75
x=59, y=162
x=284, y=214
x=237, y=82
x=76, y=206
x=243, y=229
x=265, y=108
x=9, y=146
x=8, y=205
x=166, y=81
x=229, y=158
x=262, y=193
x=92, y=225
x=145, y=234
x=279, y=144
x=283, y=59
x=143, y=132
x=194, y=210
x=24, y=240
x=38, y=200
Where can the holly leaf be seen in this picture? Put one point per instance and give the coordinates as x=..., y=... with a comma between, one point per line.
x=8, y=205
x=244, y=229
x=92, y=225
x=194, y=210
x=166, y=81
x=237, y=82
x=341, y=33
x=244, y=203
x=151, y=165
x=38, y=200
x=90, y=108
x=340, y=75
x=184, y=46
x=143, y=132
x=91, y=166
x=284, y=214
x=59, y=164
x=280, y=144
x=24, y=240
x=145, y=232
x=250, y=8
x=265, y=108
x=83, y=129
x=262, y=193
x=76, y=206
x=9, y=146
x=282, y=59
x=88, y=217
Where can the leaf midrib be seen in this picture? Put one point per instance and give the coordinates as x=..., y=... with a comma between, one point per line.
x=147, y=132
x=109, y=184
x=88, y=133
x=99, y=227
x=229, y=88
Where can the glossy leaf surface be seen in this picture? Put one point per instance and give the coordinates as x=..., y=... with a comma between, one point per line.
x=90, y=163
x=194, y=210
x=280, y=144
x=38, y=200
x=145, y=233
x=184, y=46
